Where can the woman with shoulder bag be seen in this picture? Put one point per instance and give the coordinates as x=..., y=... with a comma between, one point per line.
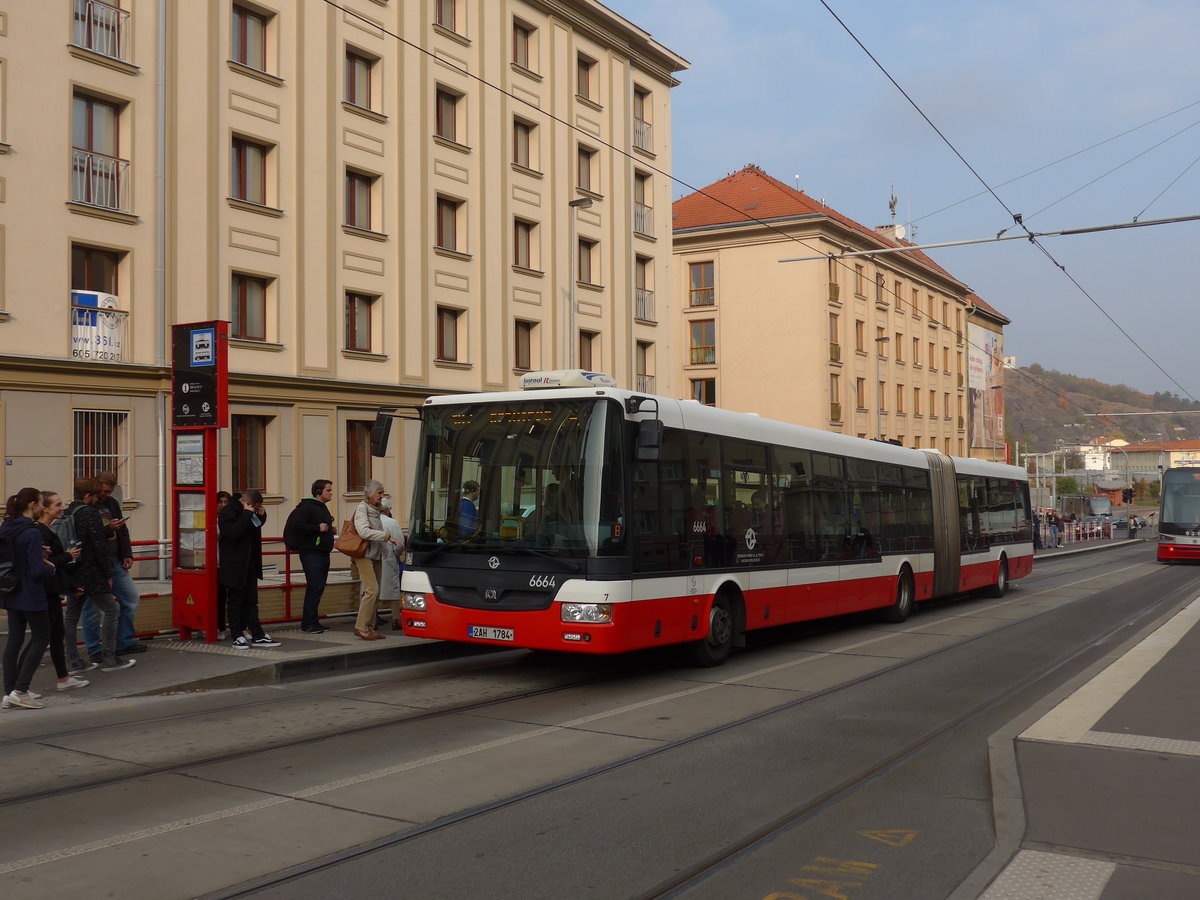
x=25, y=603
x=369, y=525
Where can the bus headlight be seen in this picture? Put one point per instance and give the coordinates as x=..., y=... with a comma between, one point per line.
x=587, y=612
x=415, y=602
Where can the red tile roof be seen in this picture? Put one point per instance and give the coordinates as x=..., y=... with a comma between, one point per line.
x=751, y=194
x=976, y=300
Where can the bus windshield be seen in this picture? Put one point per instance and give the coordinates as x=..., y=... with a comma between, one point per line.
x=531, y=476
x=1180, y=501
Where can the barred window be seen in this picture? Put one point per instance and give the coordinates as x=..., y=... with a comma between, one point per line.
x=99, y=439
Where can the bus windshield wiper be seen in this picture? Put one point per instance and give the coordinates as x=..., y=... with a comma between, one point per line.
x=565, y=563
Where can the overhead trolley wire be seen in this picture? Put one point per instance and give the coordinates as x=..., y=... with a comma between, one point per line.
x=1016, y=217
x=900, y=301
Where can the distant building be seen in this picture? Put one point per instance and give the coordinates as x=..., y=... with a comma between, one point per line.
x=985, y=352
x=870, y=346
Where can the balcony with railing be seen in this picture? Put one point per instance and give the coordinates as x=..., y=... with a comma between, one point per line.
x=101, y=28
x=644, y=305
x=645, y=383
x=643, y=135
x=702, y=356
x=100, y=180
x=643, y=218
x=99, y=331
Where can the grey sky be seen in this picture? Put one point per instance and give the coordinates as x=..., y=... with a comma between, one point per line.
x=1014, y=86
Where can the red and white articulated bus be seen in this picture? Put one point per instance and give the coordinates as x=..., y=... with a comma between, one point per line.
x=600, y=520
x=1179, y=515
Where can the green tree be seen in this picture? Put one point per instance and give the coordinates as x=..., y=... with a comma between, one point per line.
x=1068, y=485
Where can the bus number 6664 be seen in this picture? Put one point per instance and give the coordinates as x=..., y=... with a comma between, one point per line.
x=543, y=581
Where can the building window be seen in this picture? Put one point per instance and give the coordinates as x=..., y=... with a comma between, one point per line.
x=98, y=439
x=358, y=79
x=899, y=398
x=879, y=298
x=643, y=284
x=522, y=353
x=358, y=321
x=860, y=393
x=248, y=450
x=932, y=404
x=358, y=454
x=644, y=364
x=946, y=359
x=102, y=28
x=933, y=356
x=881, y=396
x=447, y=223
x=587, y=261
x=916, y=303
x=524, y=45
x=585, y=170
x=946, y=408
x=587, y=343
x=702, y=291
x=835, y=389
x=445, y=13
x=881, y=343
x=643, y=207
x=916, y=357
x=93, y=269
x=248, y=312
x=359, y=187
x=704, y=341
x=916, y=401
x=524, y=247
x=899, y=347
x=704, y=390
x=99, y=177
x=858, y=281
x=860, y=335
x=249, y=38
x=446, y=105
x=447, y=333
x=248, y=171
x=524, y=144
x=585, y=76
x=643, y=130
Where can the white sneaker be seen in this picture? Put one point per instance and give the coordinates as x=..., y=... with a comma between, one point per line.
x=34, y=694
x=240, y=643
x=264, y=641
x=73, y=682
x=23, y=701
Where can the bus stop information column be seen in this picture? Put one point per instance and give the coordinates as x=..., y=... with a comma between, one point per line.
x=200, y=407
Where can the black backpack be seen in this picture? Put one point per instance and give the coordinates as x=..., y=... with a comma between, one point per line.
x=290, y=539
x=10, y=579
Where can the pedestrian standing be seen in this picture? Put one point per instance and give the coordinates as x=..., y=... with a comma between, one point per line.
x=56, y=591
x=1052, y=521
x=123, y=586
x=368, y=524
x=26, y=602
x=240, y=567
x=91, y=581
x=393, y=562
x=223, y=499
x=310, y=532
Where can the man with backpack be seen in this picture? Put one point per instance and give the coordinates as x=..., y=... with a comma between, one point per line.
x=310, y=533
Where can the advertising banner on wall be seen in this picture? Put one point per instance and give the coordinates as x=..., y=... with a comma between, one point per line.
x=985, y=381
x=97, y=327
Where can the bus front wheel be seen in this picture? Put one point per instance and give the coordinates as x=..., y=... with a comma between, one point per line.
x=715, y=648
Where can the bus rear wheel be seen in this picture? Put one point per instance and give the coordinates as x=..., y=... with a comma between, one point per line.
x=1000, y=588
x=715, y=648
x=903, y=607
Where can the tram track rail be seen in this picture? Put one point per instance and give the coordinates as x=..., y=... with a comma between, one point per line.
x=714, y=863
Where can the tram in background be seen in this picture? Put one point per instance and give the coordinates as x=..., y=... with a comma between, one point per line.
x=580, y=517
x=1179, y=514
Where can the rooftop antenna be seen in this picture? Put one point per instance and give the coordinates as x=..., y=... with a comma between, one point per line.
x=892, y=205
x=796, y=178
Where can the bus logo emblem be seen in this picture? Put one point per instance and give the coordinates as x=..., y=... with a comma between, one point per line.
x=751, y=538
x=494, y=562
x=490, y=594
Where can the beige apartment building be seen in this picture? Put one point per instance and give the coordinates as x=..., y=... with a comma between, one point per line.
x=385, y=198
x=871, y=346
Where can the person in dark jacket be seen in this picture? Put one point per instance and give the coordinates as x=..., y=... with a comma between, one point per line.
x=26, y=603
x=310, y=531
x=240, y=567
x=116, y=527
x=91, y=580
x=62, y=558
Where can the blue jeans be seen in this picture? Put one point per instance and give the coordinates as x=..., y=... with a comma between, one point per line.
x=316, y=573
x=127, y=595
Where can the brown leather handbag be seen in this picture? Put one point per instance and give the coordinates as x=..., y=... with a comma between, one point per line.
x=349, y=542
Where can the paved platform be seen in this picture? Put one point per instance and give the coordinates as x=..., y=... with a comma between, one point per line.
x=1108, y=781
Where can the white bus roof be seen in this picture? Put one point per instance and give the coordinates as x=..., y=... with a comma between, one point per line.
x=693, y=416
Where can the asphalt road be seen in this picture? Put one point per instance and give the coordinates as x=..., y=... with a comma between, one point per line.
x=848, y=758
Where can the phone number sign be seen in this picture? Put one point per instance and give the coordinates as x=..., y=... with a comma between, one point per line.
x=200, y=375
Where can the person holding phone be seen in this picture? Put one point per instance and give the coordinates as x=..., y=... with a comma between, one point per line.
x=240, y=567
x=116, y=526
x=62, y=559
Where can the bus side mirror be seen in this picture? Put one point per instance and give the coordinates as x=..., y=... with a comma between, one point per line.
x=381, y=430
x=649, y=439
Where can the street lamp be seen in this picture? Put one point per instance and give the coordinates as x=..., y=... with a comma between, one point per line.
x=577, y=203
x=879, y=342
